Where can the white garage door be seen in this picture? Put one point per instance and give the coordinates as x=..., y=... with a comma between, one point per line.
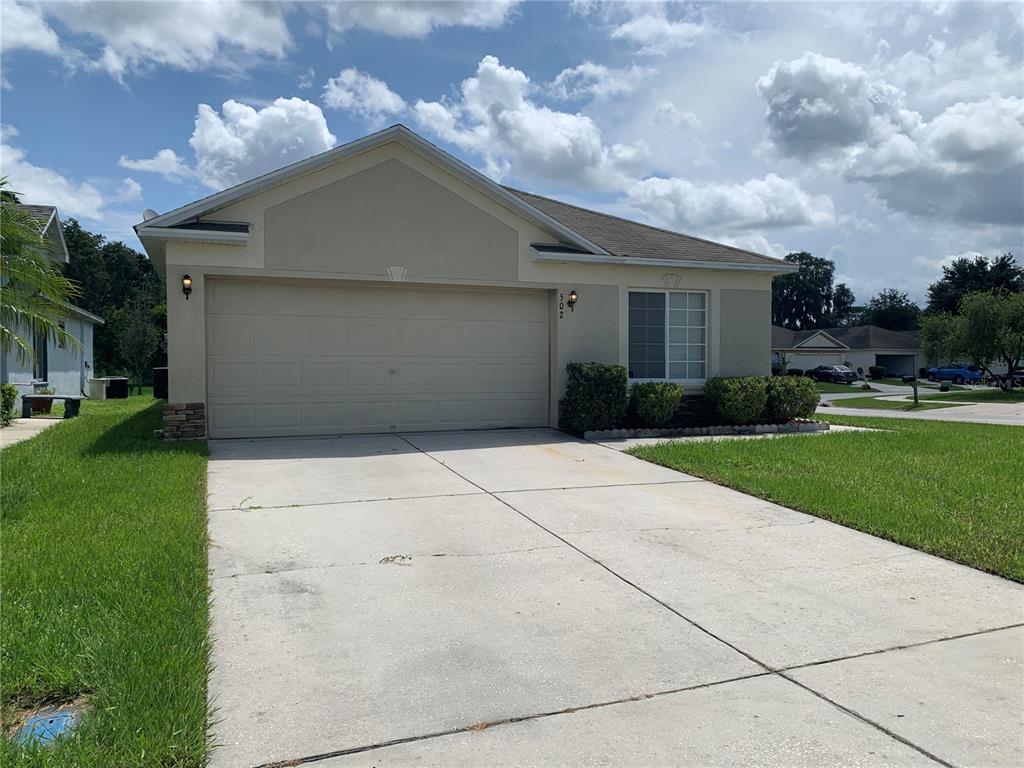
x=308, y=358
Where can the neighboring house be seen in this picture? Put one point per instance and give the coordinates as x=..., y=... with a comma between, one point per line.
x=859, y=347
x=386, y=286
x=65, y=368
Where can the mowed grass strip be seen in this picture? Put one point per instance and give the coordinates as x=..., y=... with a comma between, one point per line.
x=827, y=387
x=889, y=405
x=105, y=588
x=949, y=489
x=980, y=396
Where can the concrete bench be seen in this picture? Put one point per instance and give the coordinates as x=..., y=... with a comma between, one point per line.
x=72, y=404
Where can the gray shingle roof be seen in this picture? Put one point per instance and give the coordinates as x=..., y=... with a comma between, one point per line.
x=41, y=213
x=622, y=237
x=857, y=337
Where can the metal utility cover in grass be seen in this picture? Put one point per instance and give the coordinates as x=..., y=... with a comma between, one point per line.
x=46, y=726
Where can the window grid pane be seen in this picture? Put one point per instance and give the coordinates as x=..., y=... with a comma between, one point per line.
x=667, y=334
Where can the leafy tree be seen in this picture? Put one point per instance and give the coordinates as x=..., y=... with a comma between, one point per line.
x=990, y=330
x=843, y=311
x=978, y=275
x=35, y=294
x=112, y=275
x=138, y=338
x=940, y=340
x=804, y=299
x=893, y=310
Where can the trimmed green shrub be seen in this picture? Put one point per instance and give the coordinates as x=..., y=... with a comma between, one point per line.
x=876, y=371
x=8, y=394
x=739, y=400
x=790, y=398
x=655, y=401
x=595, y=397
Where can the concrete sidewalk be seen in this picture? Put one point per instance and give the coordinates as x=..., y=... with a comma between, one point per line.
x=522, y=598
x=23, y=429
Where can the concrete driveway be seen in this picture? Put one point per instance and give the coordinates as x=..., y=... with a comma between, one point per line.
x=521, y=598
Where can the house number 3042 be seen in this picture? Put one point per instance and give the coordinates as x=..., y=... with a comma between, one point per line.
x=561, y=306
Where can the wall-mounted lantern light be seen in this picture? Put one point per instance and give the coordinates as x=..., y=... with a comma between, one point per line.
x=186, y=285
x=573, y=298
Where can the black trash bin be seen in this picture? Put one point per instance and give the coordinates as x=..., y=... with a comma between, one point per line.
x=160, y=383
x=117, y=387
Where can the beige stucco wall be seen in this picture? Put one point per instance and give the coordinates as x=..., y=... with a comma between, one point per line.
x=312, y=227
x=744, y=335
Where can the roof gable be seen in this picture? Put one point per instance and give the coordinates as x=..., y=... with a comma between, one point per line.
x=396, y=133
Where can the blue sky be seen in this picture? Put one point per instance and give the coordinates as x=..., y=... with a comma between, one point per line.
x=888, y=137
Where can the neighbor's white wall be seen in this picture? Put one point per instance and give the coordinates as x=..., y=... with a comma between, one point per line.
x=65, y=366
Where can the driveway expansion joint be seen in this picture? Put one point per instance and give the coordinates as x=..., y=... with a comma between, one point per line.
x=346, y=501
x=482, y=726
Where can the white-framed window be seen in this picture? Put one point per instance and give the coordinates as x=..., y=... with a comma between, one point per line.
x=667, y=335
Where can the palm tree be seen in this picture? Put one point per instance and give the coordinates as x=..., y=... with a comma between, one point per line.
x=34, y=294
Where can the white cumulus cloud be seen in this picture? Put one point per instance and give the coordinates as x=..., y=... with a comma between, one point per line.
x=165, y=162
x=418, y=19
x=496, y=118
x=44, y=186
x=964, y=164
x=590, y=80
x=655, y=35
x=242, y=142
x=179, y=34
x=363, y=95
x=757, y=203
x=23, y=27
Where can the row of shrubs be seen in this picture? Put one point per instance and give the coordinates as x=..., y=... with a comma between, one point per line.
x=598, y=396
x=763, y=399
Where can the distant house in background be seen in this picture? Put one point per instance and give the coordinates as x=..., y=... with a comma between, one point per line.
x=65, y=368
x=858, y=347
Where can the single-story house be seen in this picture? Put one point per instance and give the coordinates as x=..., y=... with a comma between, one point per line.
x=858, y=347
x=384, y=285
x=63, y=367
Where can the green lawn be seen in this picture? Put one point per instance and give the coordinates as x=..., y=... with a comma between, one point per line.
x=949, y=489
x=105, y=589
x=981, y=396
x=830, y=388
x=889, y=405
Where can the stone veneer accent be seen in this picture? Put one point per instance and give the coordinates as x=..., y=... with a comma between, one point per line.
x=185, y=421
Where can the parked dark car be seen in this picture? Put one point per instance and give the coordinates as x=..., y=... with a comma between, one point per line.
x=837, y=374
x=958, y=374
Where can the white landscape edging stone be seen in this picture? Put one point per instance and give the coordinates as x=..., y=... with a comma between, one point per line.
x=792, y=427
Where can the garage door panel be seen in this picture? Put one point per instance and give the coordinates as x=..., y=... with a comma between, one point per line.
x=275, y=336
x=320, y=376
x=324, y=337
x=230, y=336
x=231, y=297
x=231, y=378
x=336, y=359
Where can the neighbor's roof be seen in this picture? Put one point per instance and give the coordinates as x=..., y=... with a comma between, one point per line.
x=627, y=238
x=47, y=217
x=856, y=337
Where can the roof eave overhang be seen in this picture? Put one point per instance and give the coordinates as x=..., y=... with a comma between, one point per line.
x=634, y=261
x=192, y=235
x=397, y=133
